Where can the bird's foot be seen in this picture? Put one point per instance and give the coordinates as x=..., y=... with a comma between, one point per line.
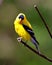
x=19, y=39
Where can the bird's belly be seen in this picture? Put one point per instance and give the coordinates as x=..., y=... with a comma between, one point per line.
x=22, y=32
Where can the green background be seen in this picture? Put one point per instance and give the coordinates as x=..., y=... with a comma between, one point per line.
x=14, y=53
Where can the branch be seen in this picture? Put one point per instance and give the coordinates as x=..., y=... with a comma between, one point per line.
x=40, y=54
x=43, y=20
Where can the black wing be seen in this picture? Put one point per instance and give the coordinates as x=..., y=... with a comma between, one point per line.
x=29, y=30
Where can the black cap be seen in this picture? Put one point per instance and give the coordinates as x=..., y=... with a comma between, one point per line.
x=21, y=16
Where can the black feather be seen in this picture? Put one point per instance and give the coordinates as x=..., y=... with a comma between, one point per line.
x=30, y=31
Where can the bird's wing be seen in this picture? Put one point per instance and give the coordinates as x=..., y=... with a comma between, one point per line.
x=29, y=30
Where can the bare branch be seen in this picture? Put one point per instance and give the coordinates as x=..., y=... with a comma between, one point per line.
x=43, y=20
x=40, y=54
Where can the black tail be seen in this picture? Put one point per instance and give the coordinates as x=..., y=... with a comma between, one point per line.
x=36, y=43
x=35, y=39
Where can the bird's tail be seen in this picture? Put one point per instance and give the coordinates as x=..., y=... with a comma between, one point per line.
x=36, y=43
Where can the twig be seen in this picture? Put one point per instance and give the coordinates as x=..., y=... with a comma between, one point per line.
x=43, y=20
x=40, y=54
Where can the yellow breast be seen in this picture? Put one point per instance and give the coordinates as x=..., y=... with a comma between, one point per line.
x=22, y=32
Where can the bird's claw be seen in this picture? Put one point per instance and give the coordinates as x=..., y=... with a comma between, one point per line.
x=19, y=39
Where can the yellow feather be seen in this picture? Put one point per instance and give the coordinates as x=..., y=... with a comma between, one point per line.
x=21, y=31
x=19, y=28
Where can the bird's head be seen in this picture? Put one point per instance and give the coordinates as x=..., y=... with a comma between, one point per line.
x=20, y=18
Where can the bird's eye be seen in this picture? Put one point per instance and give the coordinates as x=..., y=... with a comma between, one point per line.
x=21, y=16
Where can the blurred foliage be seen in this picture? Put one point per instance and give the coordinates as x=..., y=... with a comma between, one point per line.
x=14, y=53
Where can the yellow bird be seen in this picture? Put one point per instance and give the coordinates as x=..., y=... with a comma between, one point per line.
x=24, y=29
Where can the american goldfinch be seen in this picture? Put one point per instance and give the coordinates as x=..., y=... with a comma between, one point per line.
x=24, y=29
